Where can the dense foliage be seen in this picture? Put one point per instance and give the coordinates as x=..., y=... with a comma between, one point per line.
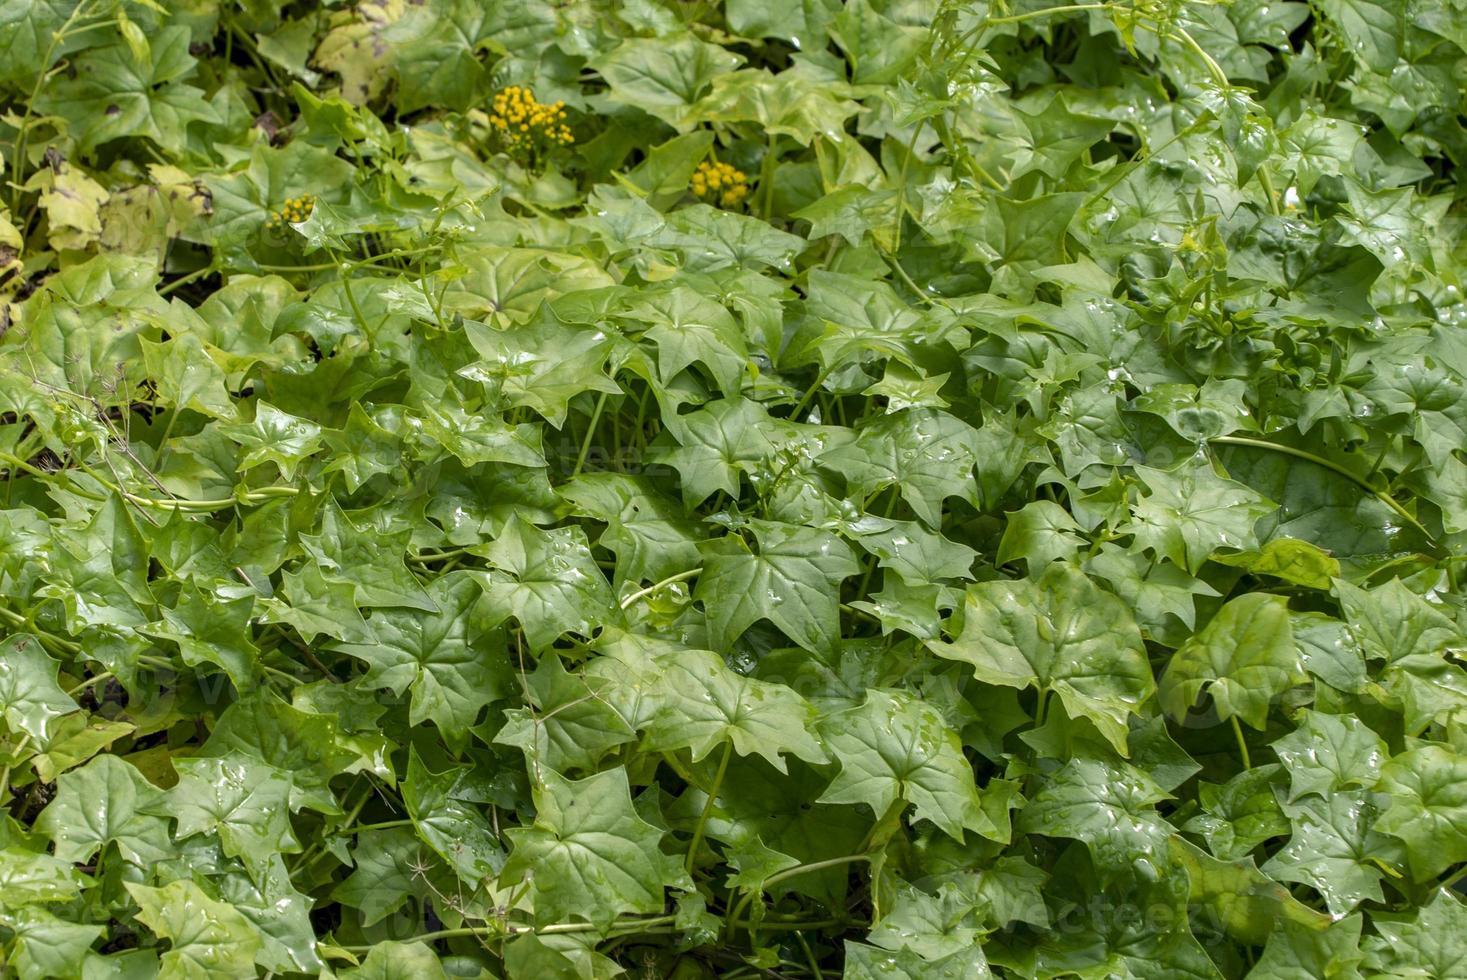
x=783, y=488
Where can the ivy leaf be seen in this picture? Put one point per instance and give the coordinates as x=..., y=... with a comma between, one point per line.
x=1426, y=944
x=704, y=704
x=214, y=630
x=459, y=834
x=893, y=748
x=789, y=581
x=447, y=659
x=245, y=802
x=207, y=938
x=305, y=744
x=649, y=535
x=1332, y=848
x=592, y=855
x=870, y=963
x=1331, y=752
x=1111, y=808
x=1297, y=952
x=1062, y=634
x=664, y=76
x=389, y=959
x=1241, y=813
x=1428, y=807
x=928, y=455
x=1245, y=657
x=367, y=559
x=30, y=698
x=47, y=946
x=391, y=866
x=111, y=95
x=719, y=442
x=106, y=801
x=572, y=723
x=1392, y=623
x=1192, y=512
x=548, y=581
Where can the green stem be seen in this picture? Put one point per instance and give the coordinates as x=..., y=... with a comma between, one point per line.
x=1242, y=743
x=107, y=675
x=5, y=773
x=1047, y=12
x=811, y=392
x=182, y=281
x=766, y=177
x=809, y=956
x=1266, y=182
x=632, y=599
x=1333, y=467
x=708, y=806
x=423, y=558
x=774, y=879
x=636, y=926
x=384, y=825
x=590, y=431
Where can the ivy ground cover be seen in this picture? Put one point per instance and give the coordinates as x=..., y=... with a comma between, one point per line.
x=761, y=488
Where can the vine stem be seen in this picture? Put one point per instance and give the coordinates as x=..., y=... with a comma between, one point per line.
x=708, y=806
x=1333, y=467
x=590, y=431
x=774, y=879
x=1242, y=742
x=1073, y=8
x=632, y=599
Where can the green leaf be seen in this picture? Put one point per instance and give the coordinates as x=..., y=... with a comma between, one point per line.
x=110, y=95
x=717, y=443
x=1111, y=808
x=592, y=856
x=30, y=698
x=1427, y=943
x=1060, y=634
x=893, y=748
x=870, y=963
x=212, y=630
x=305, y=744
x=1333, y=849
x=702, y=704
x=789, y=581
x=1040, y=533
x=1244, y=658
x=1327, y=753
x=650, y=536
x=391, y=866
x=47, y=946
x=1192, y=512
x=1372, y=31
x=452, y=827
x=106, y=801
x=367, y=559
x=207, y=938
x=928, y=455
x=1240, y=814
x=1297, y=952
x=1428, y=807
x=389, y=960
x=1247, y=904
x=548, y=581
x=244, y=802
x=664, y=76
x=446, y=659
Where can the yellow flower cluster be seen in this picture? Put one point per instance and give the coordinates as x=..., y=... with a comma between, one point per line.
x=294, y=209
x=720, y=182
x=522, y=122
